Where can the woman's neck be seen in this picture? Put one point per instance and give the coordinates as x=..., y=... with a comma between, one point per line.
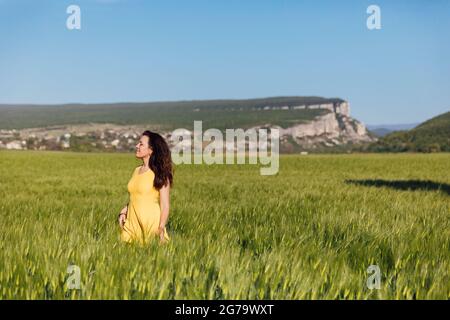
x=145, y=162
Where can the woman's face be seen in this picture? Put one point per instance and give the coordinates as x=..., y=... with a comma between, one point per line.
x=142, y=148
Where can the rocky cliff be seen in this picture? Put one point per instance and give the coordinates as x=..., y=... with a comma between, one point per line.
x=335, y=128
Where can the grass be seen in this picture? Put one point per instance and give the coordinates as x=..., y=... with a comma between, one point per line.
x=310, y=232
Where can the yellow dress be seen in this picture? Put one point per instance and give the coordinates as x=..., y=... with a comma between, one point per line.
x=144, y=212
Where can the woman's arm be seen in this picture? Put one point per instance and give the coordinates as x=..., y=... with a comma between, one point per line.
x=164, y=204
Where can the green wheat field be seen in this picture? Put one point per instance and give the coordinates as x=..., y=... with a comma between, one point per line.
x=309, y=232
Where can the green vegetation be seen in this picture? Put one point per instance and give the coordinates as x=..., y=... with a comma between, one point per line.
x=219, y=114
x=431, y=136
x=309, y=232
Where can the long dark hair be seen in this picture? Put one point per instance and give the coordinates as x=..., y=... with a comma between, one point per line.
x=160, y=161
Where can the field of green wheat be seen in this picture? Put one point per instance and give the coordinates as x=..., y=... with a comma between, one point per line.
x=310, y=232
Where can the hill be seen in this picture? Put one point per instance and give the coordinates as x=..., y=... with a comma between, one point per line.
x=384, y=129
x=221, y=114
x=431, y=136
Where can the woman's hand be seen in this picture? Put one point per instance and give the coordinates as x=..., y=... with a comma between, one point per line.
x=123, y=217
x=161, y=235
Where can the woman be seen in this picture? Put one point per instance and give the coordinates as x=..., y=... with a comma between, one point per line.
x=146, y=215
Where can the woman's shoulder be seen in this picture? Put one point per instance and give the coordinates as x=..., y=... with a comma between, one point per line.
x=136, y=169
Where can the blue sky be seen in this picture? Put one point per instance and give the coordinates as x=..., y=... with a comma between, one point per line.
x=143, y=50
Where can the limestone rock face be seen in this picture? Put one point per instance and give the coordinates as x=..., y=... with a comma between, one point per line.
x=323, y=125
x=334, y=128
